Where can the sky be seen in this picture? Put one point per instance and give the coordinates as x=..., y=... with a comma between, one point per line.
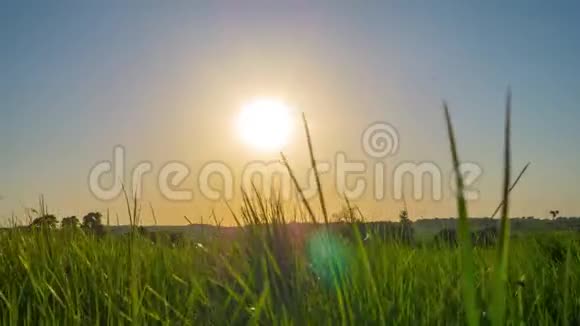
x=166, y=80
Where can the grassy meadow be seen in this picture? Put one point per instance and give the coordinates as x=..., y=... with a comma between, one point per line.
x=70, y=277
x=270, y=272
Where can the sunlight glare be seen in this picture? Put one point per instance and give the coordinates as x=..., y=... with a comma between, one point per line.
x=265, y=124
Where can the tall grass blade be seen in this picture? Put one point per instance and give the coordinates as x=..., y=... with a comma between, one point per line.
x=498, y=307
x=234, y=215
x=153, y=213
x=511, y=188
x=298, y=189
x=467, y=263
x=188, y=220
x=316, y=174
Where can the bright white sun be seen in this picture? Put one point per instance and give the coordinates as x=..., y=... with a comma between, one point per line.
x=265, y=124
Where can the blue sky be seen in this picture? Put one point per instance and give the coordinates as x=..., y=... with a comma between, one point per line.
x=164, y=80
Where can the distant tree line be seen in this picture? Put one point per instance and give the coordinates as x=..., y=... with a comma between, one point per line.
x=486, y=237
x=90, y=222
x=400, y=232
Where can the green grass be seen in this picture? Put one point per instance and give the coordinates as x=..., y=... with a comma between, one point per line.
x=74, y=278
x=268, y=274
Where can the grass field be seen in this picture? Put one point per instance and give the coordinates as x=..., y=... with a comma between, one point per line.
x=267, y=274
x=67, y=277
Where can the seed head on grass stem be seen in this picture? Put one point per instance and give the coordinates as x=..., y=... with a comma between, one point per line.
x=313, y=165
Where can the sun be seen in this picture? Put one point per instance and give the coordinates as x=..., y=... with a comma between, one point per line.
x=265, y=124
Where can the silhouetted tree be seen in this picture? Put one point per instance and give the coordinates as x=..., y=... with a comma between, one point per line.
x=44, y=221
x=406, y=227
x=404, y=217
x=142, y=231
x=92, y=222
x=70, y=222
